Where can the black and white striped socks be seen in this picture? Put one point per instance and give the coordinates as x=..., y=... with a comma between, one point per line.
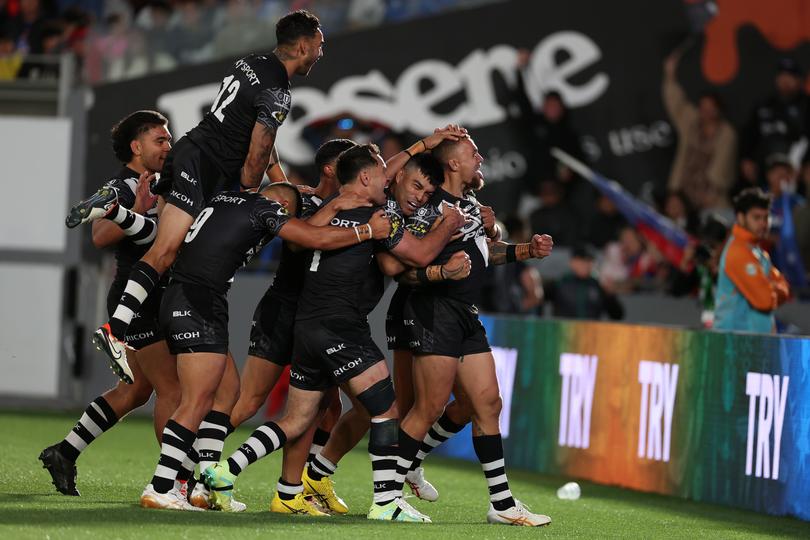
x=175, y=444
x=319, y=440
x=319, y=466
x=443, y=429
x=287, y=492
x=489, y=449
x=266, y=439
x=383, y=450
x=139, y=229
x=142, y=279
x=211, y=438
x=97, y=418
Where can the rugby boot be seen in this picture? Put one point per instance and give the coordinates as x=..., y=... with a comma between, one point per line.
x=62, y=470
x=519, y=515
x=199, y=495
x=219, y=480
x=116, y=352
x=323, y=492
x=297, y=505
x=421, y=487
x=98, y=205
x=397, y=510
x=173, y=500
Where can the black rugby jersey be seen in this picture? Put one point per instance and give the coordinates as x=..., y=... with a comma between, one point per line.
x=255, y=89
x=473, y=240
x=345, y=282
x=128, y=252
x=289, y=278
x=227, y=233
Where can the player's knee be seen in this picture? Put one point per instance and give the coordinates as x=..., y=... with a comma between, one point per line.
x=140, y=396
x=378, y=398
x=489, y=404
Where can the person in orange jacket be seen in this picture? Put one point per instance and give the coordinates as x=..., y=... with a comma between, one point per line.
x=749, y=287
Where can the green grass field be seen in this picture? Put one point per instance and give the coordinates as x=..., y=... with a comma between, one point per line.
x=115, y=469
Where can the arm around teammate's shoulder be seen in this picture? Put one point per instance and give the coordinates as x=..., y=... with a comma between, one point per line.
x=328, y=237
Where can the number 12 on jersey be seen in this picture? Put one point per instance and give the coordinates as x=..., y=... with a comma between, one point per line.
x=231, y=85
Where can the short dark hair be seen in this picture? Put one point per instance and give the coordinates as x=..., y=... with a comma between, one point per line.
x=330, y=150
x=444, y=150
x=293, y=26
x=749, y=198
x=130, y=128
x=299, y=201
x=429, y=166
x=354, y=160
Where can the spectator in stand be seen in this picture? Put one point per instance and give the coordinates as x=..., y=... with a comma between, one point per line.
x=578, y=295
x=158, y=35
x=10, y=59
x=781, y=179
x=749, y=287
x=192, y=36
x=801, y=222
x=697, y=273
x=677, y=207
x=544, y=128
x=554, y=217
x=27, y=26
x=514, y=288
x=365, y=13
x=51, y=43
x=241, y=31
x=107, y=48
x=777, y=124
x=606, y=224
x=704, y=165
x=630, y=265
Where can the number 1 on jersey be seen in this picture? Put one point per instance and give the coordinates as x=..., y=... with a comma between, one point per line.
x=232, y=87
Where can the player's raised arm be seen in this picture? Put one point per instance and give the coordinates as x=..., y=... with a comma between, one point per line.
x=452, y=132
x=262, y=140
x=540, y=247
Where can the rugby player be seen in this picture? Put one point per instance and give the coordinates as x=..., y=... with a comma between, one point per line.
x=333, y=346
x=270, y=351
x=234, y=140
x=194, y=311
x=141, y=142
x=449, y=344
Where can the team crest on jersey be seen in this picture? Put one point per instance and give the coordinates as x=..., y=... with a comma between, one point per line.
x=281, y=98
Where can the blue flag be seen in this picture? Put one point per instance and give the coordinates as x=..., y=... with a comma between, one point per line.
x=787, y=257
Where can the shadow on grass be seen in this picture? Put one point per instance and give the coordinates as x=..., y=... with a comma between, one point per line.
x=739, y=520
x=133, y=515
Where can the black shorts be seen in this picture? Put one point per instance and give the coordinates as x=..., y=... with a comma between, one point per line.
x=144, y=330
x=329, y=352
x=194, y=319
x=396, y=333
x=444, y=327
x=271, y=332
x=189, y=178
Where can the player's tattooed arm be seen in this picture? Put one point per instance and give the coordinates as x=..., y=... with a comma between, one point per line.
x=258, y=158
x=456, y=268
x=540, y=247
x=274, y=171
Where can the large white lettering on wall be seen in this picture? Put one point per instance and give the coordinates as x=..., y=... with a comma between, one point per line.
x=767, y=398
x=409, y=104
x=578, y=372
x=659, y=383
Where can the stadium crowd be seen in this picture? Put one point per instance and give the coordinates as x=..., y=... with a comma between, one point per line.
x=121, y=39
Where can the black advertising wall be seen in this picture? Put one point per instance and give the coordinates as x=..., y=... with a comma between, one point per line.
x=605, y=58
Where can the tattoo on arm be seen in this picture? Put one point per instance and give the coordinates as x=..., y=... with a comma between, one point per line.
x=258, y=158
x=497, y=252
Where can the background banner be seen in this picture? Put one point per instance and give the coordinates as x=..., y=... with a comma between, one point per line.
x=713, y=417
x=604, y=58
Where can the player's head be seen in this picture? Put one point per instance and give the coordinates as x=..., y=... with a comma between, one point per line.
x=299, y=37
x=461, y=158
x=416, y=182
x=327, y=155
x=287, y=195
x=142, y=139
x=752, y=208
x=363, y=164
